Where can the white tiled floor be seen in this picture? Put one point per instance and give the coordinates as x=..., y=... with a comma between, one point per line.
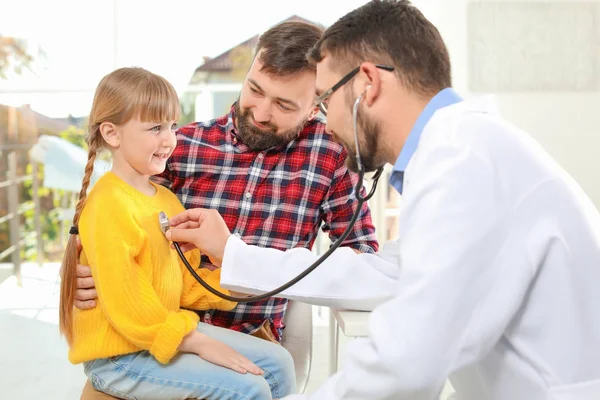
x=33, y=357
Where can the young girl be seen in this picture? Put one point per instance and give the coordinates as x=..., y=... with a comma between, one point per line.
x=140, y=343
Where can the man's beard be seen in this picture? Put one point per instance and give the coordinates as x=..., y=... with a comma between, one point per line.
x=257, y=139
x=368, y=136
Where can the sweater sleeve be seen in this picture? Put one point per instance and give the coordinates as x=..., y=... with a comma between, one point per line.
x=194, y=295
x=125, y=292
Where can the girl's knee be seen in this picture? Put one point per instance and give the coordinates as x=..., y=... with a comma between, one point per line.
x=285, y=361
x=283, y=371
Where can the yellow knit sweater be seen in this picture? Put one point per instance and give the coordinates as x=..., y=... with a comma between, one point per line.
x=140, y=280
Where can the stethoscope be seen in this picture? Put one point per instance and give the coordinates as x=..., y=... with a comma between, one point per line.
x=164, y=225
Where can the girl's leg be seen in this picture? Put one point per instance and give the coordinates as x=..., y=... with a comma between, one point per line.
x=140, y=376
x=273, y=359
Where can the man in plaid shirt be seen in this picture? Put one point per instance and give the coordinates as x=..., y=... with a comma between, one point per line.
x=269, y=168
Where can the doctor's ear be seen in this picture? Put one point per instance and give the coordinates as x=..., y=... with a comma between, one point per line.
x=371, y=94
x=109, y=133
x=370, y=79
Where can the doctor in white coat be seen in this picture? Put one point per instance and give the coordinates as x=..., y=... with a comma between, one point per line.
x=495, y=279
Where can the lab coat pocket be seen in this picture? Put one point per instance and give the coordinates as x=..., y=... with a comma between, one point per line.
x=588, y=390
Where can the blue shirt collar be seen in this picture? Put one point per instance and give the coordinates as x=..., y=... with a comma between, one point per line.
x=443, y=99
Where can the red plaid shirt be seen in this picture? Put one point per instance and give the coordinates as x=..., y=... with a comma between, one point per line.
x=275, y=198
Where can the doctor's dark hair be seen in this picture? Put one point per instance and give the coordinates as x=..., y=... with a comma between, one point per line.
x=121, y=96
x=392, y=32
x=284, y=47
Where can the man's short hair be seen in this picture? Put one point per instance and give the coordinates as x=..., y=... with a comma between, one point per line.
x=284, y=47
x=392, y=32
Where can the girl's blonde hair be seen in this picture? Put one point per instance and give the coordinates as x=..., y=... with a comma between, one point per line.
x=122, y=95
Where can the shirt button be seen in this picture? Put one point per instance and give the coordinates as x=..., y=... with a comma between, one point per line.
x=207, y=315
x=234, y=140
x=248, y=195
x=260, y=155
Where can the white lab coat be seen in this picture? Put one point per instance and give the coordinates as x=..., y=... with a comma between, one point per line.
x=494, y=282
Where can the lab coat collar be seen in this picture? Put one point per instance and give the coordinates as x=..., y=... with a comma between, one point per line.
x=442, y=99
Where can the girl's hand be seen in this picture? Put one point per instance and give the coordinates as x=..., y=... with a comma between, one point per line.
x=220, y=354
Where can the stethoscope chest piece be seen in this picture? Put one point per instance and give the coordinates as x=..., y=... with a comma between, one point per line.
x=163, y=221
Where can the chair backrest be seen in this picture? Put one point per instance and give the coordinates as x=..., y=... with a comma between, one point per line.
x=297, y=339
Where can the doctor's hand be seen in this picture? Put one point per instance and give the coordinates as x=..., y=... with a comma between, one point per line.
x=200, y=228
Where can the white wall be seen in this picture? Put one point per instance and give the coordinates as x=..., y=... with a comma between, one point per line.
x=566, y=123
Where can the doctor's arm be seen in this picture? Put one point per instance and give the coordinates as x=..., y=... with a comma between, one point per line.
x=344, y=280
x=454, y=297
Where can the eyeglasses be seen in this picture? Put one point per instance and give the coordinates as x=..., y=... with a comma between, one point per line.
x=320, y=102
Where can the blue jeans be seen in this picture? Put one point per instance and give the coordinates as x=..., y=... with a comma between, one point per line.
x=139, y=376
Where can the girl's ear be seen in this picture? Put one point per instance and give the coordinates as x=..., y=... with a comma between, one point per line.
x=109, y=133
